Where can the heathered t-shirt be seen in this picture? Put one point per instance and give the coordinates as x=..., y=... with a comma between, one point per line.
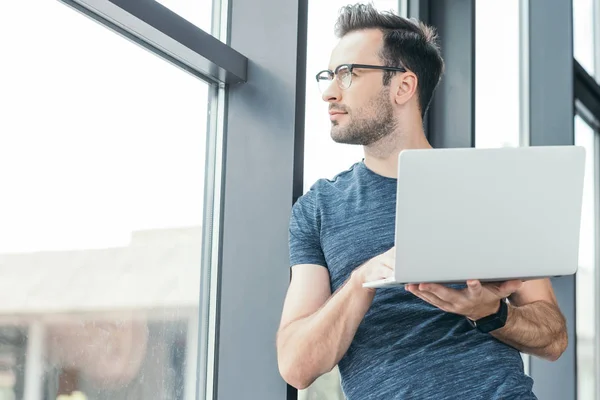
x=404, y=348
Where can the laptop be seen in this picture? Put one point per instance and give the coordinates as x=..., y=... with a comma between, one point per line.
x=488, y=214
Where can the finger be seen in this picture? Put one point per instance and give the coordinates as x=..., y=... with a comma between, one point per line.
x=390, y=257
x=446, y=294
x=380, y=272
x=386, y=270
x=509, y=287
x=388, y=262
x=433, y=300
x=474, y=288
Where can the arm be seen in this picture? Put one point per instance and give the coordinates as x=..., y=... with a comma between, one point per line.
x=534, y=324
x=317, y=328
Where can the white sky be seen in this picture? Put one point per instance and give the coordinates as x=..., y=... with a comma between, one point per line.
x=98, y=137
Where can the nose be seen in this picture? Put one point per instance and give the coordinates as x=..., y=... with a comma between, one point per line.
x=332, y=94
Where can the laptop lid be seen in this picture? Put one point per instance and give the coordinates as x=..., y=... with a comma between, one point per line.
x=488, y=214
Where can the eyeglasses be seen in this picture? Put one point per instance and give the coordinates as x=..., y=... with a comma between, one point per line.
x=343, y=74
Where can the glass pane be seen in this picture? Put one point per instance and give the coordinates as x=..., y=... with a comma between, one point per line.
x=198, y=12
x=586, y=274
x=497, y=96
x=583, y=33
x=323, y=158
x=101, y=166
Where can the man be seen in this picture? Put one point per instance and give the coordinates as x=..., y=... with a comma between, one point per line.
x=395, y=343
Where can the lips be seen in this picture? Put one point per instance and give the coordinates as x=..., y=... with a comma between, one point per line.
x=336, y=116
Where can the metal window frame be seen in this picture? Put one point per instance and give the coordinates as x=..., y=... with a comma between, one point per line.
x=524, y=76
x=597, y=249
x=161, y=31
x=586, y=89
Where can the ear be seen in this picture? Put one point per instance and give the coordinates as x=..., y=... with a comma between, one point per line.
x=405, y=87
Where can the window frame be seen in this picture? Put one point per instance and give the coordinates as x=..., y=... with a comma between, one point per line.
x=171, y=37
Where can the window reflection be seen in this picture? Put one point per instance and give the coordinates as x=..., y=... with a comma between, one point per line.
x=124, y=329
x=102, y=149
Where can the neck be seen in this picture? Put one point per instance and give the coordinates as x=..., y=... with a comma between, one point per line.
x=382, y=157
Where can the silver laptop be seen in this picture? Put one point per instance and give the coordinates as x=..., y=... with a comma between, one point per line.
x=488, y=214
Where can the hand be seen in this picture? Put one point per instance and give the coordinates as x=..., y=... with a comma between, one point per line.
x=474, y=302
x=378, y=267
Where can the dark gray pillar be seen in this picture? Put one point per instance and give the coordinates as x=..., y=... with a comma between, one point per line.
x=451, y=118
x=262, y=119
x=418, y=9
x=551, y=123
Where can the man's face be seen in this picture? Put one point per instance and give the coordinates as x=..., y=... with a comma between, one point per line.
x=363, y=113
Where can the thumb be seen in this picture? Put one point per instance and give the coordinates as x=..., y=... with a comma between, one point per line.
x=474, y=286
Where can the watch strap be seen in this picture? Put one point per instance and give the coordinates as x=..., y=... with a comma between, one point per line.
x=493, y=321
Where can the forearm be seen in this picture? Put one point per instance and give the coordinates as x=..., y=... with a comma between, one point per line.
x=538, y=329
x=312, y=346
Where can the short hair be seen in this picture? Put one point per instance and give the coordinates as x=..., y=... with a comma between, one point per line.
x=406, y=42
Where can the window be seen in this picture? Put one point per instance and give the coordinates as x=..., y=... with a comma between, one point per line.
x=583, y=33
x=497, y=63
x=587, y=274
x=102, y=166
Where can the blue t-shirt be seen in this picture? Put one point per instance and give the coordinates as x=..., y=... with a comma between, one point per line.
x=404, y=348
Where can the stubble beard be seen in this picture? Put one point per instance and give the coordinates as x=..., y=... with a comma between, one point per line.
x=367, y=130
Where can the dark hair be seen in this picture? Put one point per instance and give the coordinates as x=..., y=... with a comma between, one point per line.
x=406, y=42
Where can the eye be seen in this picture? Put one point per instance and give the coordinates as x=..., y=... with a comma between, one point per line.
x=324, y=76
x=345, y=73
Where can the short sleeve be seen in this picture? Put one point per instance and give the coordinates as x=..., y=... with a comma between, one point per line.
x=304, y=232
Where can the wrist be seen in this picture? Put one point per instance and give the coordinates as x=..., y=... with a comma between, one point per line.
x=483, y=312
x=356, y=281
x=493, y=321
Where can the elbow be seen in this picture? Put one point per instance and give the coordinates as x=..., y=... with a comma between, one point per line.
x=298, y=366
x=294, y=376
x=558, y=347
x=292, y=369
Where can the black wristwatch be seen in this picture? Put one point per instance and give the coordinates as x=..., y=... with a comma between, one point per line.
x=492, y=322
